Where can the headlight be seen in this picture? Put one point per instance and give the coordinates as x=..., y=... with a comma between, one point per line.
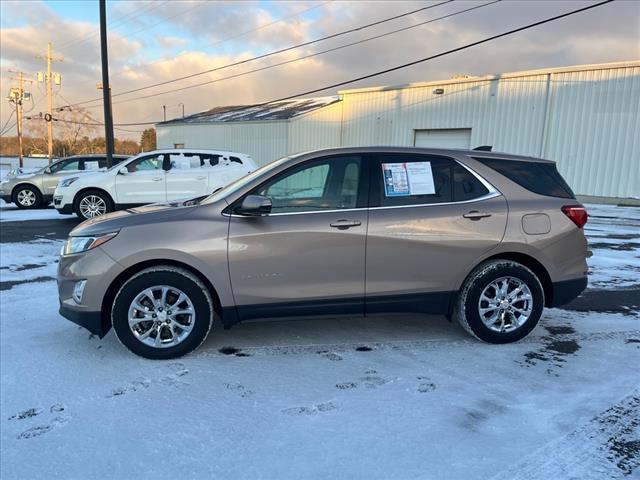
x=67, y=181
x=82, y=244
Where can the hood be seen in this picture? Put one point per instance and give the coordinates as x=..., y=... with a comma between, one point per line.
x=115, y=221
x=89, y=178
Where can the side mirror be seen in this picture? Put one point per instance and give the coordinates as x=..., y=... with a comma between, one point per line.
x=123, y=171
x=47, y=170
x=255, y=205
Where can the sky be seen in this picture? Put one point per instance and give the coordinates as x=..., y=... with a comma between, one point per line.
x=157, y=41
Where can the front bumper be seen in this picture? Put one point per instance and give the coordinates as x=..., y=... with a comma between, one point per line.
x=99, y=270
x=6, y=198
x=63, y=208
x=564, y=292
x=90, y=320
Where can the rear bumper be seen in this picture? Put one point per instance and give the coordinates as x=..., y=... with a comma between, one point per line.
x=564, y=292
x=92, y=321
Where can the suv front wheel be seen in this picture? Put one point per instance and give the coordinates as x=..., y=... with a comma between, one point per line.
x=92, y=203
x=501, y=301
x=162, y=312
x=27, y=196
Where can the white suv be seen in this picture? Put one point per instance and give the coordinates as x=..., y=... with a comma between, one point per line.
x=150, y=177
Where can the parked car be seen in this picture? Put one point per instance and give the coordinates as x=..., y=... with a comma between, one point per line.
x=486, y=238
x=151, y=177
x=35, y=189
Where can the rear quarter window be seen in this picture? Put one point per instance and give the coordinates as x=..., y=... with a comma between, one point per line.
x=537, y=177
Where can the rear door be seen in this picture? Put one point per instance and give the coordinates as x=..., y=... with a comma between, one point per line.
x=308, y=256
x=144, y=182
x=430, y=219
x=187, y=176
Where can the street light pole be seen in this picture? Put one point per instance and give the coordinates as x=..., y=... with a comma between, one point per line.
x=164, y=113
x=182, y=105
x=106, y=86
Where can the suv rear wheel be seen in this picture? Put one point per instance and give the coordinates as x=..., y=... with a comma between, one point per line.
x=501, y=301
x=162, y=312
x=27, y=196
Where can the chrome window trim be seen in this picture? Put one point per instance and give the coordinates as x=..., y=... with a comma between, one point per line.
x=493, y=193
x=340, y=210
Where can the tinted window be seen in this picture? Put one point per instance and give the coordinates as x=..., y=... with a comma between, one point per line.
x=66, y=165
x=327, y=184
x=540, y=178
x=411, y=180
x=235, y=160
x=152, y=162
x=465, y=185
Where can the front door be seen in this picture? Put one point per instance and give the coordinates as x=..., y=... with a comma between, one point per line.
x=144, y=182
x=308, y=256
x=187, y=176
x=430, y=220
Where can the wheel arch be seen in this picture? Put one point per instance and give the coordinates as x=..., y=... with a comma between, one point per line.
x=116, y=284
x=76, y=196
x=25, y=184
x=532, y=264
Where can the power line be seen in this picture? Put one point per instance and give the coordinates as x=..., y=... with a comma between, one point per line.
x=304, y=57
x=276, y=52
x=421, y=60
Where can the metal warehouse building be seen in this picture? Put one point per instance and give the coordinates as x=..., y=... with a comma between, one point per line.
x=586, y=118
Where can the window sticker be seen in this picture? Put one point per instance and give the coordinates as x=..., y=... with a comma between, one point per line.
x=405, y=179
x=91, y=165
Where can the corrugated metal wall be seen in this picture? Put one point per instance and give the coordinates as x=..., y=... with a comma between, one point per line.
x=585, y=118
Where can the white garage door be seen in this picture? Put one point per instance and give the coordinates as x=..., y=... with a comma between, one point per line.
x=443, y=138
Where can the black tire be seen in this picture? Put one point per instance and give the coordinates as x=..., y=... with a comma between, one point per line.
x=87, y=194
x=172, y=277
x=467, y=309
x=32, y=192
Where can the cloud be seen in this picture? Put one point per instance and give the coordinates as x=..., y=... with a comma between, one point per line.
x=606, y=34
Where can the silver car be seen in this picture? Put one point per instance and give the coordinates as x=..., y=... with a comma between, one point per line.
x=486, y=238
x=35, y=189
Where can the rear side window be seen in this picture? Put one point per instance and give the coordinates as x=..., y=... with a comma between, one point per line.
x=540, y=178
x=411, y=180
x=465, y=185
x=235, y=160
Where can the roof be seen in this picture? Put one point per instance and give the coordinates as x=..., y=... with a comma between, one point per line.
x=283, y=110
x=497, y=76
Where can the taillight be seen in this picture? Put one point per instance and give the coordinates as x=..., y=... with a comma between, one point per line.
x=577, y=214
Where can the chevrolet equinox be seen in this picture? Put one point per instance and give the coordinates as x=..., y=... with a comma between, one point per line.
x=487, y=238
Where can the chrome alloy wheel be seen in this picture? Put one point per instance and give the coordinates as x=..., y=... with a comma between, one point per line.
x=505, y=304
x=26, y=198
x=161, y=316
x=92, y=206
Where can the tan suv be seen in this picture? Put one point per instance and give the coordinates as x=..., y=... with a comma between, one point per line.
x=487, y=238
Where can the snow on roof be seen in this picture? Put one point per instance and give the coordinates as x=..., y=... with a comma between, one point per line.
x=283, y=110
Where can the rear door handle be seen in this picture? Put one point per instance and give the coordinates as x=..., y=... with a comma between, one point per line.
x=344, y=224
x=476, y=215
x=157, y=179
x=201, y=178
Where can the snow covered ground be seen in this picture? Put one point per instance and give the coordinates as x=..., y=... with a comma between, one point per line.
x=385, y=397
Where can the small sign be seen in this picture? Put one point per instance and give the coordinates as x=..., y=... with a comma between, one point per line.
x=406, y=179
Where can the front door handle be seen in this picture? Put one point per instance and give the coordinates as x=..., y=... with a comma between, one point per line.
x=344, y=224
x=157, y=179
x=476, y=215
x=201, y=178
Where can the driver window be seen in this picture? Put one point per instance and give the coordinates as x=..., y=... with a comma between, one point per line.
x=327, y=184
x=152, y=162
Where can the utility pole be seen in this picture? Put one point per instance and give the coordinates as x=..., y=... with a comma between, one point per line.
x=164, y=113
x=106, y=86
x=17, y=95
x=50, y=78
x=182, y=105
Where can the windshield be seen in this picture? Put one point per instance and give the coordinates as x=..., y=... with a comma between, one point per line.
x=242, y=181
